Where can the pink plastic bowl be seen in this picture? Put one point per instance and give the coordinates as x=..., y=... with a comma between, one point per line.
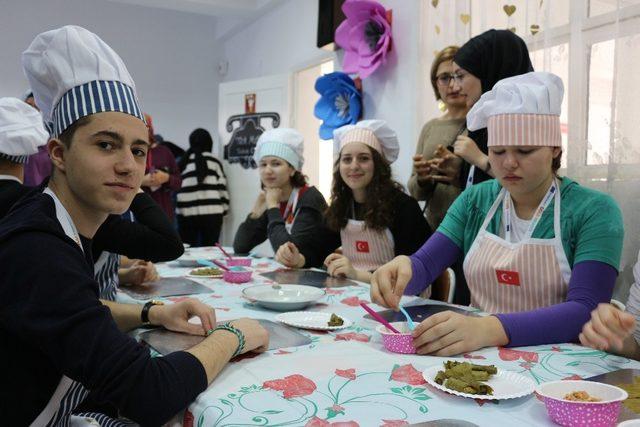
x=242, y=262
x=397, y=343
x=237, y=276
x=594, y=414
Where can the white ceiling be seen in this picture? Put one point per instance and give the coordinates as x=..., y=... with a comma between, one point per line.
x=231, y=15
x=219, y=8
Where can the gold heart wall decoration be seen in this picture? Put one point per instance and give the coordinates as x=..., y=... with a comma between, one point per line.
x=509, y=9
x=437, y=29
x=434, y=3
x=465, y=18
x=534, y=29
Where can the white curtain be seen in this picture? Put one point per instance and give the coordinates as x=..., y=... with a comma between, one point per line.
x=593, y=45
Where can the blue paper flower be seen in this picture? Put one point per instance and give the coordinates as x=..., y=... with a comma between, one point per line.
x=340, y=102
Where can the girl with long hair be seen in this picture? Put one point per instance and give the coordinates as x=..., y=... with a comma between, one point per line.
x=369, y=217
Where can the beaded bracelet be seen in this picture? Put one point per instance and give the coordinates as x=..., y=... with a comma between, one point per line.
x=230, y=328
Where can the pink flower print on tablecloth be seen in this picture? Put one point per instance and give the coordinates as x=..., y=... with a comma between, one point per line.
x=393, y=423
x=353, y=301
x=346, y=373
x=573, y=377
x=511, y=355
x=471, y=356
x=292, y=386
x=407, y=374
x=187, y=420
x=281, y=351
x=330, y=291
x=352, y=336
x=319, y=422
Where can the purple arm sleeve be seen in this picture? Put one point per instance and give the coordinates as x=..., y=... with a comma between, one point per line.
x=438, y=253
x=591, y=283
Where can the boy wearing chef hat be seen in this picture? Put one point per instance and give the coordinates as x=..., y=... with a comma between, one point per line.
x=540, y=251
x=61, y=340
x=21, y=133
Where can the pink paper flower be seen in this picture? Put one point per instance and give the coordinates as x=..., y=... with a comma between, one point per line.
x=365, y=36
x=346, y=373
x=408, y=374
x=292, y=386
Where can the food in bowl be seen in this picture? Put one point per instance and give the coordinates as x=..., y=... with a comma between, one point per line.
x=577, y=413
x=335, y=320
x=581, y=396
x=466, y=377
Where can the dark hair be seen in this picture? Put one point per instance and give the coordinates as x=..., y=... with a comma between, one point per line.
x=556, y=163
x=298, y=179
x=444, y=55
x=67, y=135
x=378, y=207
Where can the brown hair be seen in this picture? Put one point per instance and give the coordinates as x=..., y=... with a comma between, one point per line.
x=444, y=55
x=67, y=135
x=298, y=179
x=378, y=207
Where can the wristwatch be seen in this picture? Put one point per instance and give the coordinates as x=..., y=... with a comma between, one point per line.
x=144, y=315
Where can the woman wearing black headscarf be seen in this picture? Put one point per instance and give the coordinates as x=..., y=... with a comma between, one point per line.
x=478, y=65
x=203, y=199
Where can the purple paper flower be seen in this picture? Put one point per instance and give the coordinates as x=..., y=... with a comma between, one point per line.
x=365, y=36
x=340, y=102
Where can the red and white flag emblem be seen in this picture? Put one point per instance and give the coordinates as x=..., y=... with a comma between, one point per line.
x=362, y=246
x=508, y=277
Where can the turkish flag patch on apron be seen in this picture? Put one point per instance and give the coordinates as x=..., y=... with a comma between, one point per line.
x=362, y=246
x=508, y=277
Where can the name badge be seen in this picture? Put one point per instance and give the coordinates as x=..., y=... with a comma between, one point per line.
x=362, y=246
x=506, y=277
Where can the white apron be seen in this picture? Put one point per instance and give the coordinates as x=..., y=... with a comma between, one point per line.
x=505, y=277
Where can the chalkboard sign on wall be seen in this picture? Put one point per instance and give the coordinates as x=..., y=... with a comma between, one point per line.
x=244, y=137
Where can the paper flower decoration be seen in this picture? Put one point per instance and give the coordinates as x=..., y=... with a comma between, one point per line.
x=365, y=36
x=340, y=102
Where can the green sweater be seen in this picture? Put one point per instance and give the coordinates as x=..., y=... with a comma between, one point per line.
x=591, y=221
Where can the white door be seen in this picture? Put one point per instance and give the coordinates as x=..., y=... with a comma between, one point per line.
x=247, y=104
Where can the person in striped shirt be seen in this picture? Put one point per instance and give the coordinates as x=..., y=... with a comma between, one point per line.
x=614, y=330
x=203, y=200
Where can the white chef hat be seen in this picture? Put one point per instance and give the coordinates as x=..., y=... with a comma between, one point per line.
x=521, y=110
x=21, y=130
x=286, y=143
x=374, y=133
x=73, y=74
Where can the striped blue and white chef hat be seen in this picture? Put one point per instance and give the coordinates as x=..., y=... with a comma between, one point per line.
x=73, y=74
x=285, y=143
x=21, y=130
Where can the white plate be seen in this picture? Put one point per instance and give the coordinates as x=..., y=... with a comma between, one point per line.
x=505, y=384
x=311, y=320
x=199, y=276
x=283, y=297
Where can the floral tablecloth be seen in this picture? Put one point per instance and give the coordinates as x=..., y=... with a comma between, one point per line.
x=347, y=378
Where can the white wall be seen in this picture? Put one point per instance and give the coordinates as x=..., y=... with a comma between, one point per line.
x=172, y=56
x=284, y=41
